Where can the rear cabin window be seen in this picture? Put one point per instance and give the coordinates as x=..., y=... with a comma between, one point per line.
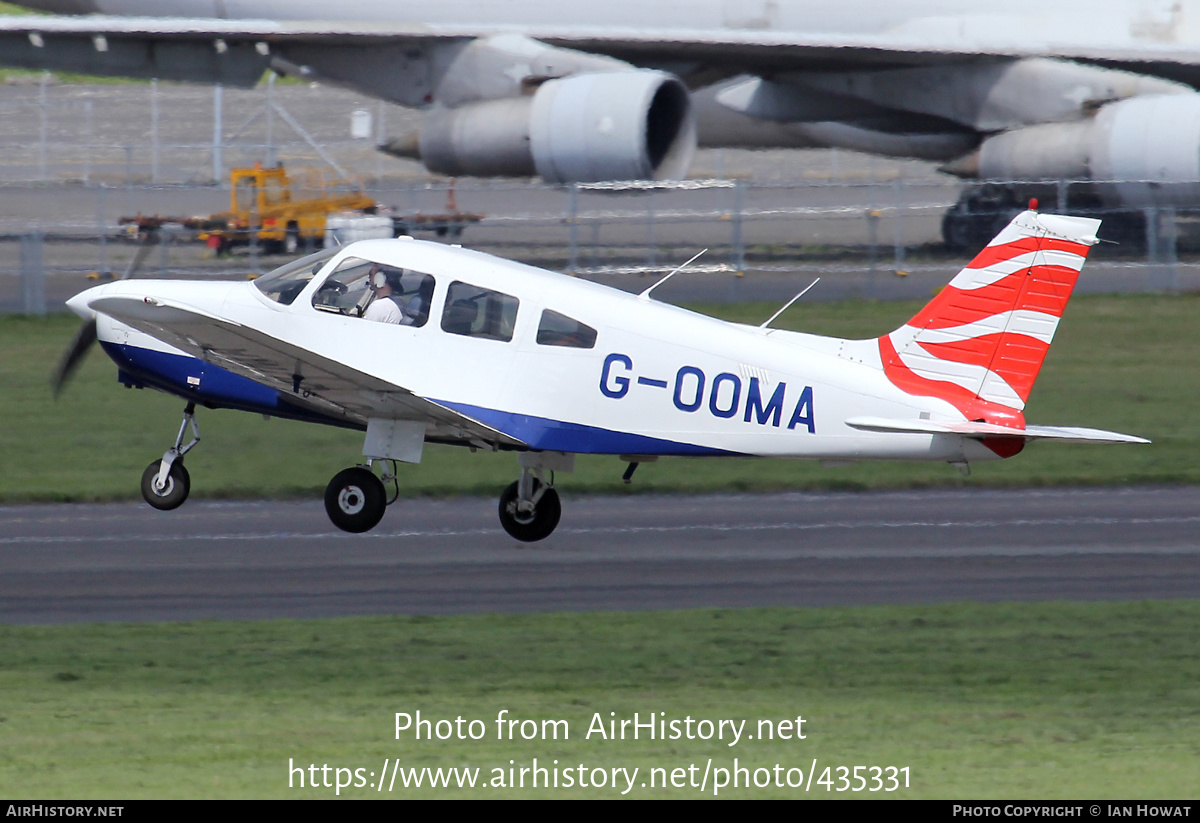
x=559, y=330
x=475, y=312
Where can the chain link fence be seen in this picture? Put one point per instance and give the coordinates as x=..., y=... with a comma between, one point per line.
x=77, y=159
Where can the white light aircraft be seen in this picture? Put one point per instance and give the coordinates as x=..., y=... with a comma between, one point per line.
x=496, y=355
x=1091, y=90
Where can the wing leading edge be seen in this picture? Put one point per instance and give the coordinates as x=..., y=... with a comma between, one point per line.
x=308, y=379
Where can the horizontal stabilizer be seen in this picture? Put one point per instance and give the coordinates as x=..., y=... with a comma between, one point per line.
x=966, y=428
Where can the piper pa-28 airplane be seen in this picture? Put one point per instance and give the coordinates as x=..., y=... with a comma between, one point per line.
x=419, y=342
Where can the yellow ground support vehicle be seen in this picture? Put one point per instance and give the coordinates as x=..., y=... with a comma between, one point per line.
x=284, y=213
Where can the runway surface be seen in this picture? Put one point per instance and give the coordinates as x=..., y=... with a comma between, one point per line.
x=127, y=562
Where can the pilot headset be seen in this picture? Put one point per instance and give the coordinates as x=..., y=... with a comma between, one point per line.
x=383, y=278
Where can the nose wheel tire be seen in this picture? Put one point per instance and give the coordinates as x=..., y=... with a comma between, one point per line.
x=530, y=526
x=173, y=492
x=355, y=500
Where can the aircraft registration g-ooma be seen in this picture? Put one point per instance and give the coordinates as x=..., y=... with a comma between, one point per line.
x=496, y=355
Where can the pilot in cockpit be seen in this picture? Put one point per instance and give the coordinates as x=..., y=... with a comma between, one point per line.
x=386, y=307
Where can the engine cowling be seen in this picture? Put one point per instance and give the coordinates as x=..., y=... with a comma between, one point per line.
x=1143, y=151
x=623, y=125
x=1151, y=145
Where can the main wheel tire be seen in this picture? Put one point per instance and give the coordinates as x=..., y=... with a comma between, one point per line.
x=355, y=500
x=178, y=486
x=533, y=526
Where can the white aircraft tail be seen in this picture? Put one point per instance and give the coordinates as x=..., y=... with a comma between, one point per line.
x=981, y=342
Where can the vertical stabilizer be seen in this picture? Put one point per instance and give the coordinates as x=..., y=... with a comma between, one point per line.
x=981, y=342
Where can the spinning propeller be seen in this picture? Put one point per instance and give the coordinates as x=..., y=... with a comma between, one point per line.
x=86, y=336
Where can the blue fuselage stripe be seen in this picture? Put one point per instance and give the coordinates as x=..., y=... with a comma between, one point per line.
x=193, y=379
x=557, y=435
x=212, y=386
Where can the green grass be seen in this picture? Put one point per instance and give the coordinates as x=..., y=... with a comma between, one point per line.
x=979, y=701
x=1121, y=363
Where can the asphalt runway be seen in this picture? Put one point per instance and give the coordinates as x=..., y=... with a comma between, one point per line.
x=230, y=560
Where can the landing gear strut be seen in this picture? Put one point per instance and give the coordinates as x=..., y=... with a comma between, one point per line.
x=165, y=482
x=530, y=508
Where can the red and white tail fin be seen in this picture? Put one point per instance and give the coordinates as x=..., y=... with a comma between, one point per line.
x=981, y=342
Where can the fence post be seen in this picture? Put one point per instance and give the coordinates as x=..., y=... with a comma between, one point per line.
x=33, y=274
x=43, y=125
x=218, y=164
x=270, y=119
x=738, y=242
x=102, y=233
x=899, y=191
x=573, y=228
x=380, y=139
x=90, y=130
x=164, y=260
x=1151, y=217
x=873, y=215
x=651, y=241
x=1170, y=260
x=154, y=131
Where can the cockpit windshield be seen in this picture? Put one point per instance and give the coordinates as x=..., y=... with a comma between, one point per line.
x=286, y=282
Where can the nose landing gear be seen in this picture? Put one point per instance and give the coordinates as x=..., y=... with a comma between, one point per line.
x=166, y=483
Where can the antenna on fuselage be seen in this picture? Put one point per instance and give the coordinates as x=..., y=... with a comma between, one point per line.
x=646, y=294
x=789, y=303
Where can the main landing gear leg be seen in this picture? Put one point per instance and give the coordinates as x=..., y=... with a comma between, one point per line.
x=530, y=508
x=165, y=482
x=355, y=500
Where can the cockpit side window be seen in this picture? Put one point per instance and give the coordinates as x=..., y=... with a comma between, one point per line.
x=285, y=283
x=476, y=312
x=357, y=283
x=559, y=330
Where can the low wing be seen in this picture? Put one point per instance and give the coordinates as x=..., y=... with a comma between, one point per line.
x=1064, y=434
x=239, y=51
x=323, y=385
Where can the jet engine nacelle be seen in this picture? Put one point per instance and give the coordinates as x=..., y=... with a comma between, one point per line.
x=1144, y=151
x=624, y=125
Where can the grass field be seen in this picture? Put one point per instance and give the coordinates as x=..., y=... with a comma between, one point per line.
x=977, y=701
x=1083, y=701
x=1121, y=363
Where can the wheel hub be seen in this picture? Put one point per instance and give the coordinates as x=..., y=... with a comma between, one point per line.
x=351, y=500
x=524, y=514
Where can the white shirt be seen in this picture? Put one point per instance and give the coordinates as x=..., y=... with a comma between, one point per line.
x=384, y=310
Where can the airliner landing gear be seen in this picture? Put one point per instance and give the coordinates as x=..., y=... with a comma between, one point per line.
x=165, y=482
x=355, y=500
x=530, y=508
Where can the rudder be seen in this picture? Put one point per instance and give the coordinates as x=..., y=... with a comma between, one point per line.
x=981, y=342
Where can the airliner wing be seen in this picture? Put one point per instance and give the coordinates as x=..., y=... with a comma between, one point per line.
x=307, y=379
x=238, y=51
